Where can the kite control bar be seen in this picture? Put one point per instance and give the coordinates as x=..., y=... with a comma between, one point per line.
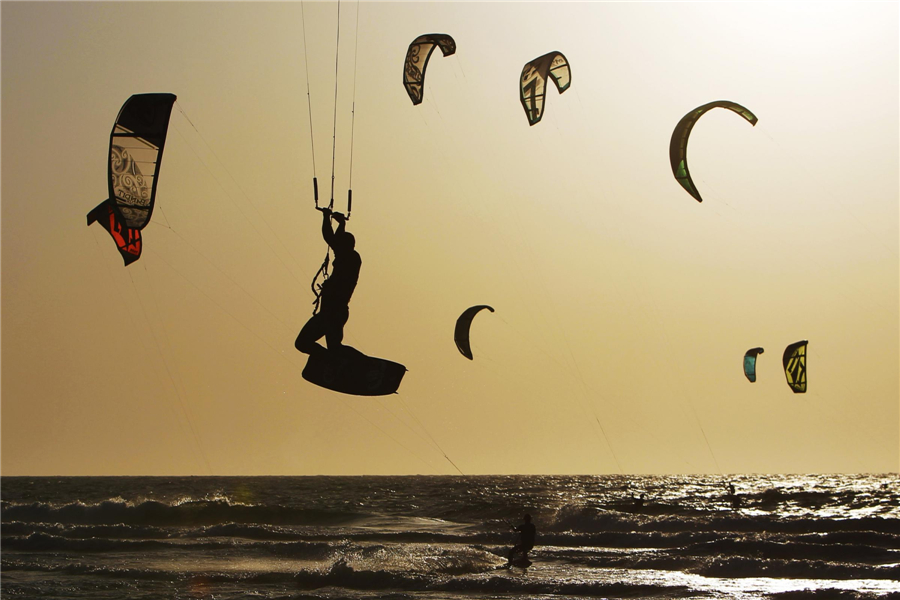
x=333, y=212
x=349, y=203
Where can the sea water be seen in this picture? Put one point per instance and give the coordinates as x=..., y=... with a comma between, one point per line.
x=785, y=537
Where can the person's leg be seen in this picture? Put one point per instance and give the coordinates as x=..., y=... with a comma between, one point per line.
x=513, y=551
x=334, y=330
x=312, y=332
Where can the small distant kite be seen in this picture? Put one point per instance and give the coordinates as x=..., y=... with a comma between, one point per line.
x=678, y=144
x=533, y=83
x=463, y=323
x=135, y=154
x=417, y=61
x=794, y=361
x=750, y=363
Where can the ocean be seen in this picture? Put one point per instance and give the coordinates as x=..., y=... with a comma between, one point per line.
x=785, y=537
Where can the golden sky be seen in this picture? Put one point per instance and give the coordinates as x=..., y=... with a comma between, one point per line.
x=623, y=306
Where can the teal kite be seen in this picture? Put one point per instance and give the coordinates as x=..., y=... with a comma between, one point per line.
x=750, y=363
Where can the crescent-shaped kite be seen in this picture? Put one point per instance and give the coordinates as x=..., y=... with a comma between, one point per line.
x=678, y=144
x=463, y=323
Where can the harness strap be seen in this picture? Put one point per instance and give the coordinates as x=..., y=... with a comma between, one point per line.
x=317, y=287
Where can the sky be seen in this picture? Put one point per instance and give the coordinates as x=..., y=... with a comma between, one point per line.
x=623, y=307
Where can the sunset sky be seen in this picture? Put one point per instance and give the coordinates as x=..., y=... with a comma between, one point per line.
x=623, y=306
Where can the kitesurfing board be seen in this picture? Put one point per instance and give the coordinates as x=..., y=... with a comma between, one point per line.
x=349, y=371
x=520, y=562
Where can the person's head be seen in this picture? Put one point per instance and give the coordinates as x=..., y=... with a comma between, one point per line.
x=527, y=518
x=344, y=241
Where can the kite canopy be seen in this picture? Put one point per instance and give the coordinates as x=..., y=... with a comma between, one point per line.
x=533, y=83
x=463, y=323
x=678, y=144
x=135, y=154
x=794, y=361
x=417, y=61
x=750, y=363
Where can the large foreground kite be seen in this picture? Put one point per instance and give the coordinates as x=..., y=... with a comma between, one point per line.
x=135, y=154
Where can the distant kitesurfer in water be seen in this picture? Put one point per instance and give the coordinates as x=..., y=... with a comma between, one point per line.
x=526, y=531
x=733, y=497
x=334, y=301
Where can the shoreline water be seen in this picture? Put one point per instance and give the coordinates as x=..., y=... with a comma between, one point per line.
x=788, y=536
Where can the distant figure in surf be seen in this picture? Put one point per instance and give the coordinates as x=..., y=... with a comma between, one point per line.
x=526, y=531
x=733, y=497
x=638, y=502
x=333, y=308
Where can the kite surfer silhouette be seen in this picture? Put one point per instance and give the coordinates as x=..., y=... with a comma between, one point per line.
x=333, y=305
x=733, y=497
x=518, y=554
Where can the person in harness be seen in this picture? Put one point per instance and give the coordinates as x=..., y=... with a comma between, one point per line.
x=526, y=531
x=333, y=304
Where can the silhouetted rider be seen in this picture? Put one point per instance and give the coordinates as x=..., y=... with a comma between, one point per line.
x=526, y=532
x=334, y=300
